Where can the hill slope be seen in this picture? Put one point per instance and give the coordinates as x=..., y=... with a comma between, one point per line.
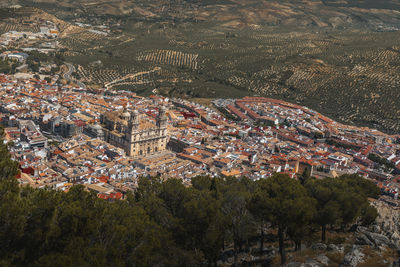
x=335, y=57
x=239, y=13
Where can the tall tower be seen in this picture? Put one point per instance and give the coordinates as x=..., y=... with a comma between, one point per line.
x=126, y=116
x=161, y=122
x=132, y=134
x=161, y=118
x=133, y=125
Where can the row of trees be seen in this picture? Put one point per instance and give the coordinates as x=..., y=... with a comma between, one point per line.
x=166, y=223
x=36, y=58
x=6, y=66
x=387, y=164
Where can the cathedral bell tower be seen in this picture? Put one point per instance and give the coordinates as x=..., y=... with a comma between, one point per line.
x=126, y=116
x=161, y=118
x=133, y=125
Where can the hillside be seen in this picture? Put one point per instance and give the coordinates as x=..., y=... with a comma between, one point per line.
x=238, y=13
x=339, y=58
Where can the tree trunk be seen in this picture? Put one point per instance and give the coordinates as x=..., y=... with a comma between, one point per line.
x=262, y=238
x=235, y=253
x=297, y=245
x=247, y=245
x=281, y=245
x=323, y=232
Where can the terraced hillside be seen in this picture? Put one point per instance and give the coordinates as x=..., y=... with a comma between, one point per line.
x=351, y=74
x=236, y=13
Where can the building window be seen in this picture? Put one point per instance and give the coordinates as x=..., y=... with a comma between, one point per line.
x=141, y=152
x=148, y=150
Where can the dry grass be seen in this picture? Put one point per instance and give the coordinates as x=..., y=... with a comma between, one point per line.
x=339, y=237
x=376, y=258
x=203, y=101
x=336, y=258
x=302, y=256
x=276, y=261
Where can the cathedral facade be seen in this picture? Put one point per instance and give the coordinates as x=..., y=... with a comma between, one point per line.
x=132, y=132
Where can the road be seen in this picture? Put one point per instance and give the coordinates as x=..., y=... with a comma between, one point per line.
x=68, y=75
x=130, y=76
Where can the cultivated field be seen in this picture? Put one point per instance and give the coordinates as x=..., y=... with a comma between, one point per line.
x=352, y=75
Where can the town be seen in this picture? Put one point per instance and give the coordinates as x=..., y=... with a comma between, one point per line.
x=199, y=133
x=63, y=135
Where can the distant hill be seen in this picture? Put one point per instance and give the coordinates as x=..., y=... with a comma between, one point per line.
x=341, y=58
x=336, y=14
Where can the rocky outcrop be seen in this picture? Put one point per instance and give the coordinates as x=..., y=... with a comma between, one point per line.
x=366, y=237
x=354, y=257
x=387, y=224
x=362, y=240
x=319, y=246
x=324, y=260
x=335, y=248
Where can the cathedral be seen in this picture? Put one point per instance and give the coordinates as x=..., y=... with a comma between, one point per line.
x=136, y=135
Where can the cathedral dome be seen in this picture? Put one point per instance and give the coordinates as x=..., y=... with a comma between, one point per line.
x=98, y=129
x=126, y=115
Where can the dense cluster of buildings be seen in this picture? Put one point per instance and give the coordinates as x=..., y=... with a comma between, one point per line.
x=38, y=30
x=63, y=136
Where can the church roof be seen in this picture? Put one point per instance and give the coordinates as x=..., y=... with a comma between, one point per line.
x=145, y=125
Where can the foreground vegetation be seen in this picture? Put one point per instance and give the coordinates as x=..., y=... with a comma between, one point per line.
x=168, y=224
